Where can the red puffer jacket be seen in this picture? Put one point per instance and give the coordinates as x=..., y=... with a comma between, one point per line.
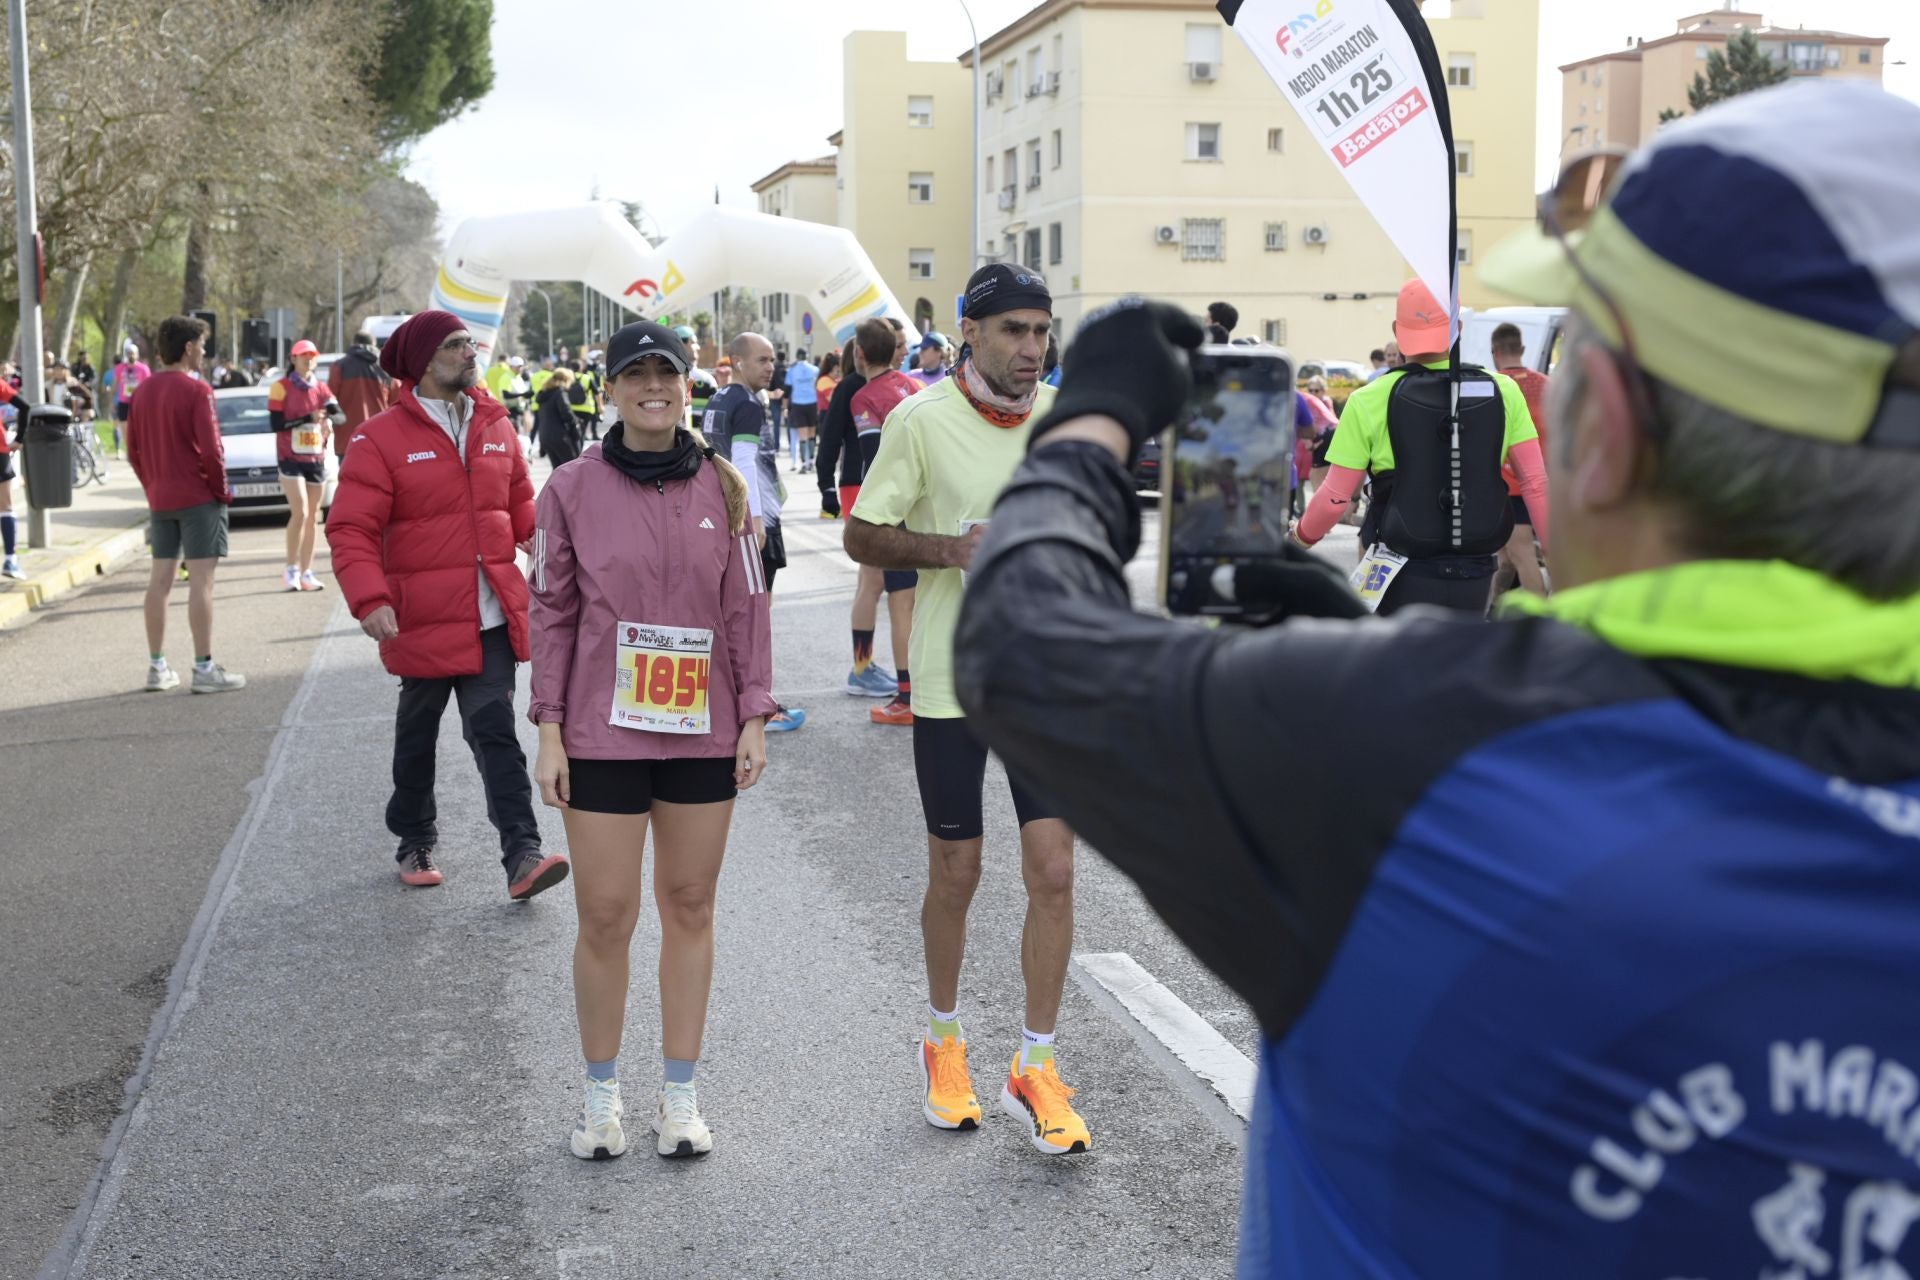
x=410, y=526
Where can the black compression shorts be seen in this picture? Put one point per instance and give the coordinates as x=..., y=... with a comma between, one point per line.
x=631, y=786
x=804, y=415
x=312, y=470
x=951, y=765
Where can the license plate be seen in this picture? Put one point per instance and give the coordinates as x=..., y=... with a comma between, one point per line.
x=256, y=491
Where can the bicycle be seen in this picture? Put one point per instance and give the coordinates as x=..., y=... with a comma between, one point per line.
x=86, y=463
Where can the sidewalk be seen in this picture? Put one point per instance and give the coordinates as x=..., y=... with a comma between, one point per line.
x=105, y=526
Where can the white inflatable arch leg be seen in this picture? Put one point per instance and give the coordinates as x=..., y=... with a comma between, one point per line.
x=720, y=248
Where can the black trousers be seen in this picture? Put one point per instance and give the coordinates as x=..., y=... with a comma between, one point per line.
x=487, y=723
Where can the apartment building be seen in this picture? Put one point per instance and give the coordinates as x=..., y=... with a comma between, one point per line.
x=1135, y=146
x=898, y=180
x=1617, y=98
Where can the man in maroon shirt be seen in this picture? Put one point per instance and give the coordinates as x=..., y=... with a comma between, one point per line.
x=173, y=443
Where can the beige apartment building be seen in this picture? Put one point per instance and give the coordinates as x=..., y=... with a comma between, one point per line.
x=898, y=180
x=1616, y=98
x=1136, y=146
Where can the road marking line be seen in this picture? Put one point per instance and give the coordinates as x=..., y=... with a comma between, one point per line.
x=1188, y=1036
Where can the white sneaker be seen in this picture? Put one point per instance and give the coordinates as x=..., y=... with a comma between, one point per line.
x=682, y=1131
x=291, y=578
x=598, y=1135
x=10, y=567
x=310, y=583
x=161, y=679
x=216, y=679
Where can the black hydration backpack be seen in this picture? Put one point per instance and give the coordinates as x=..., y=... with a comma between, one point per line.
x=1423, y=519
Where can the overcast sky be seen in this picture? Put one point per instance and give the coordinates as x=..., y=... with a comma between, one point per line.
x=721, y=92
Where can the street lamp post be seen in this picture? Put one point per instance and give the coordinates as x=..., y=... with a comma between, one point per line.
x=32, y=365
x=534, y=288
x=973, y=257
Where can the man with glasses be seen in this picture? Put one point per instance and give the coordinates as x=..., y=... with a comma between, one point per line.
x=434, y=500
x=1583, y=943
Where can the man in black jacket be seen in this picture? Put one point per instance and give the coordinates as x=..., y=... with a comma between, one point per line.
x=1582, y=942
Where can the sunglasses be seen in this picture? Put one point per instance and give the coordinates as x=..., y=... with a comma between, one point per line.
x=1569, y=208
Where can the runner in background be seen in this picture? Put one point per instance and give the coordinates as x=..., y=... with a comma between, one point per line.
x=882, y=388
x=127, y=377
x=932, y=365
x=360, y=385
x=1521, y=554
x=832, y=369
x=9, y=533
x=803, y=404
x=304, y=415
x=836, y=443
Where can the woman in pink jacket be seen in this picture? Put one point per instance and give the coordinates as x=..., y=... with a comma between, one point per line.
x=652, y=669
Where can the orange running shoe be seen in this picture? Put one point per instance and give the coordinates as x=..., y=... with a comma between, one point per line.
x=895, y=712
x=949, y=1102
x=1038, y=1099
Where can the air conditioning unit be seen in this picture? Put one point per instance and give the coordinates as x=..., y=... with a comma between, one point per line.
x=1006, y=197
x=1318, y=234
x=1166, y=234
x=1053, y=82
x=1033, y=182
x=1203, y=71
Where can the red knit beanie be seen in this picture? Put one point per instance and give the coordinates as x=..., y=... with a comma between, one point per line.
x=411, y=348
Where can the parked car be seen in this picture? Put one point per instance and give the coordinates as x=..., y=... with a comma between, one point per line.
x=253, y=468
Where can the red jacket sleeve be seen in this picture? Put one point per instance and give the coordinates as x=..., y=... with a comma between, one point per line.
x=748, y=609
x=357, y=527
x=553, y=611
x=213, y=452
x=520, y=498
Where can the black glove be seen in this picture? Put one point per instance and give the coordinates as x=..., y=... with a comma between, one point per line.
x=1306, y=586
x=1129, y=363
x=830, y=501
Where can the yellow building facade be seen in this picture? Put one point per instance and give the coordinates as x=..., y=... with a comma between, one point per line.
x=1136, y=146
x=1617, y=98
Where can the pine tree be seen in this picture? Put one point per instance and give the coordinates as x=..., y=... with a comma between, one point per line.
x=1742, y=68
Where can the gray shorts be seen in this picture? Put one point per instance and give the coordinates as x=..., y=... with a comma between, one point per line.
x=191, y=533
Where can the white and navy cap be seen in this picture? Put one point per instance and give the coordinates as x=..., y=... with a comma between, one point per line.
x=644, y=338
x=1769, y=235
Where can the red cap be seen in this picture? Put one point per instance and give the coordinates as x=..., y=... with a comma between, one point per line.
x=304, y=348
x=1421, y=323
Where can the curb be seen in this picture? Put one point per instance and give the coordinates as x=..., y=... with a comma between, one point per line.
x=78, y=570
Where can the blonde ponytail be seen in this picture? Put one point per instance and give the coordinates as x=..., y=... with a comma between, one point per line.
x=732, y=483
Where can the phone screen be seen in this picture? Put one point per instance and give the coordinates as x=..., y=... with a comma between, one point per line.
x=1228, y=482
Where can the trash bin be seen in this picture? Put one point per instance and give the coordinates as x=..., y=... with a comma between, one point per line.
x=47, y=441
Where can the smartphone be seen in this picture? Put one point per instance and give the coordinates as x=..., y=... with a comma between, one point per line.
x=1227, y=479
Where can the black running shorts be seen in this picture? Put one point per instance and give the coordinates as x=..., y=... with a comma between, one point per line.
x=312, y=470
x=773, y=556
x=631, y=786
x=804, y=415
x=951, y=765
x=7, y=473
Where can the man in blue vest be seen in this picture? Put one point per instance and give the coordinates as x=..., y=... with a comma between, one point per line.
x=1584, y=942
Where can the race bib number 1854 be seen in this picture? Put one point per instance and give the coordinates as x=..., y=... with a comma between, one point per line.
x=660, y=678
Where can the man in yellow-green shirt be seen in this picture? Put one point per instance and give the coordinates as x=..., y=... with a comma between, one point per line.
x=945, y=455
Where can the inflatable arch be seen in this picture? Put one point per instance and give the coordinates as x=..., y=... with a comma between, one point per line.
x=721, y=247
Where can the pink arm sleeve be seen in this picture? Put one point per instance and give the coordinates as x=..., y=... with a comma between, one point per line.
x=1531, y=467
x=1330, y=502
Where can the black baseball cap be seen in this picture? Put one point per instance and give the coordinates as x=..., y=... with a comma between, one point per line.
x=644, y=338
x=1001, y=286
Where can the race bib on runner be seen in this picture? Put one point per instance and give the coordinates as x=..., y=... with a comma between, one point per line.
x=1374, y=574
x=660, y=679
x=309, y=440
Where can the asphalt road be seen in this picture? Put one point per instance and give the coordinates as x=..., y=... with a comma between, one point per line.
x=356, y=1080
x=114, y=807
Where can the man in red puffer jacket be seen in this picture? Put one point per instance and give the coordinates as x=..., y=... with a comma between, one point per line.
x=434, y=498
